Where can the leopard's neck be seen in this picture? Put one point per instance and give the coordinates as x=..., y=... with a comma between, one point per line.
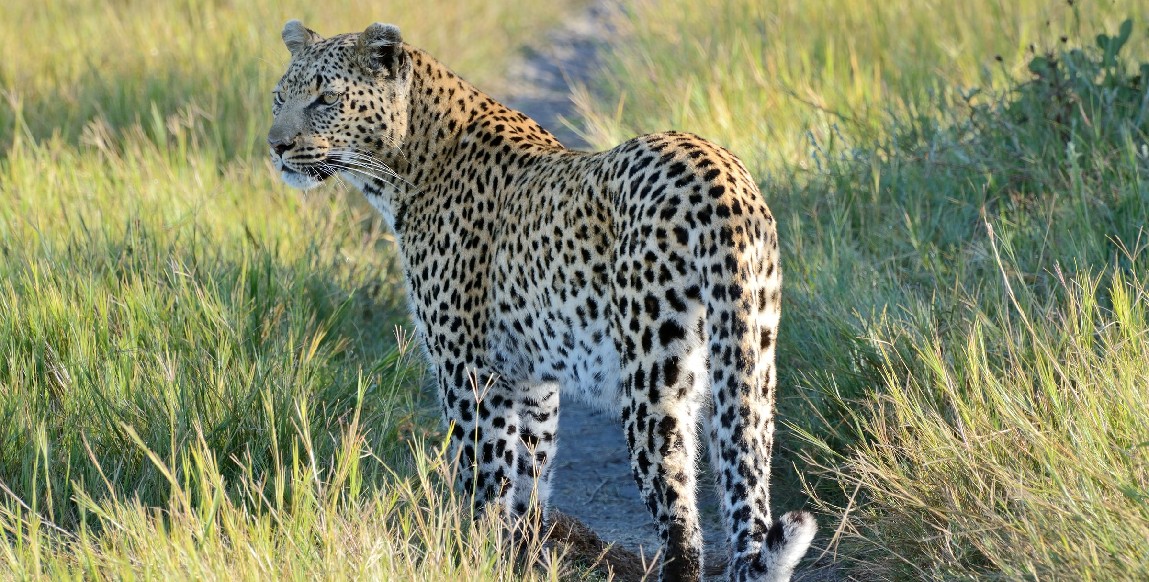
x=448, y=121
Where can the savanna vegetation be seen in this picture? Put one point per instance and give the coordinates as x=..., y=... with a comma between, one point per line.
x=199, y=376
x=199, y=373
x=963, y=194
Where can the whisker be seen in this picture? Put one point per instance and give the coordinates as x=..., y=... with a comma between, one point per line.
x=353, y=155
x=366, y=158
x=365, y=169
x=362, y=154
x=353, y=159
x=358, y=170
x=335, y=172
x=370, y=159
x=324, y=167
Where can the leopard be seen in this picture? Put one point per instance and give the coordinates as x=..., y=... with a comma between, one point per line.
x=643, y=280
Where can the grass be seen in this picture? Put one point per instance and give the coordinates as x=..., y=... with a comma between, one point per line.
x=199, y=376
x=962, y=195
x=208, y=64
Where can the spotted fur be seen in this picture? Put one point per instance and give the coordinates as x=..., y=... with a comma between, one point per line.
x=643, y=279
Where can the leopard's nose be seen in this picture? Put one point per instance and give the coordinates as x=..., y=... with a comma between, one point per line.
x=279, y=144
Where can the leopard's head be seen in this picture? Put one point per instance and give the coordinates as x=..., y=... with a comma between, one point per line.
x=342, y=104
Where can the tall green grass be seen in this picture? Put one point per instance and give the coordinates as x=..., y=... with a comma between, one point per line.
x=130, y=302
x=209, y=64
x=764, y=77
x=962, y=195
x=199, y=372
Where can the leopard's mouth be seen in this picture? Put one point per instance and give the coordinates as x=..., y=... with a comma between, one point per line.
x=321, y=171
x=305, y=177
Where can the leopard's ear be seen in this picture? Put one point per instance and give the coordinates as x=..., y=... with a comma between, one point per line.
x=298, y=37
x=380, y=48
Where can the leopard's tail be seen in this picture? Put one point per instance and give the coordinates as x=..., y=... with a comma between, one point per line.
x=743, y=313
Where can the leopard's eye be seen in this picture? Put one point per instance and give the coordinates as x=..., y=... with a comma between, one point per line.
x=330, y=97
x=277, y=97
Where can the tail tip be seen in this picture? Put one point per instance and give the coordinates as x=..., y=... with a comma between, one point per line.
x=787, y=541
x=794, y=530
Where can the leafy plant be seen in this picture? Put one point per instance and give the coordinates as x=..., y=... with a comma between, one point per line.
x=1085, y=93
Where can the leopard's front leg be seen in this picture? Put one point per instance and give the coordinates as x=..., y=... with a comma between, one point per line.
x=503, y=435
x=479, y=409
x=537, y=405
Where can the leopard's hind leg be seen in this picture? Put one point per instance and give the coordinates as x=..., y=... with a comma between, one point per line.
x=663, y=392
